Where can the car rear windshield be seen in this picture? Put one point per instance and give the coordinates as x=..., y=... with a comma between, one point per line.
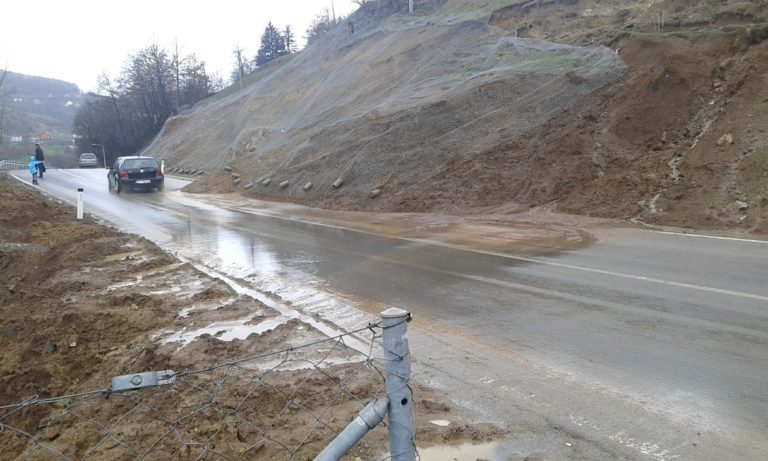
x=84, y=156
x=139, y=163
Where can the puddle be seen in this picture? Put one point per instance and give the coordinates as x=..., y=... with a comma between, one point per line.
x=184, y=313
x=494, y=451
x=121, y=256
x=226, y=331
x=298, y=364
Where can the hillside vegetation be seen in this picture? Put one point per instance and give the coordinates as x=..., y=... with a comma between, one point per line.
x=625, y=109
x=37, y=105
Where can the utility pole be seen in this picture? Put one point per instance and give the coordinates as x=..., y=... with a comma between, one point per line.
x=103, y=153
x=410, y=6
x=333, y=11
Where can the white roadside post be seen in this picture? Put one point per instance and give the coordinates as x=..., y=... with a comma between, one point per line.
x=79, y=203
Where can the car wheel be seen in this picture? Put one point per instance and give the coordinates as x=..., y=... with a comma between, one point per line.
x=161, y=187
x=117, y=187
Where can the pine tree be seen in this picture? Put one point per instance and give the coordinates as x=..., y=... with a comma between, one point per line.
x=272, y=45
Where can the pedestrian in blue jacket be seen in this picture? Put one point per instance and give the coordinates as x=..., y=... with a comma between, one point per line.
x=33, y=168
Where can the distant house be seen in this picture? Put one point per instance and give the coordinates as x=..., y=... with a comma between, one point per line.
x=69, y=104
x=45, y=136
x=37, y=101
x=18, y=99
x=16, y=139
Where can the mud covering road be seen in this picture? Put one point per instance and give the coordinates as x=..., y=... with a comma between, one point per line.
x=81, y=303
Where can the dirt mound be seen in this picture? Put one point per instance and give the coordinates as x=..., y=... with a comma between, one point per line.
x=678, y=140
x=81, y=303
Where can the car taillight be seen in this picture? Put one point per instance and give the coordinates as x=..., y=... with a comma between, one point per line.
x=122, y=174
x=158, y=172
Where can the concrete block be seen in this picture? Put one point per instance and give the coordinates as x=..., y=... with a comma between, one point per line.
x=236, y=181
x=336, y=184
x=374, y=193
x=284, y=184
x=227, y=168
x=249, y=186
x=307, y=186
x=266, y=182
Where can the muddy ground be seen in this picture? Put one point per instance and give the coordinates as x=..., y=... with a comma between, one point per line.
x=81, y=303
x=680, y=140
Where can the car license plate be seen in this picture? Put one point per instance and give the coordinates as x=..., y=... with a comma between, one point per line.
x=142, y=181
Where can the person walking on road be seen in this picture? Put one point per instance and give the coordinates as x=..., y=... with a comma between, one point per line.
x=33, y=168
x=40, y=157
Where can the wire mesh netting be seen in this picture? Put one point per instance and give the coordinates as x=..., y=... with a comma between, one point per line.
x=283, y=405
x=390, y=109
x=526, y=83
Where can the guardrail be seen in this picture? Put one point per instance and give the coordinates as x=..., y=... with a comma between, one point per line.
x=8, y=165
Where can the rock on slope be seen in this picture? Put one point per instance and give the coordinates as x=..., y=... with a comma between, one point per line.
x=388, y=108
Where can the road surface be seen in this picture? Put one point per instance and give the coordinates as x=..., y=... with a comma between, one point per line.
x=645, y=345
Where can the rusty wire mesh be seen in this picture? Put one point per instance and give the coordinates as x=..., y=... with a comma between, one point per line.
x=282, y=405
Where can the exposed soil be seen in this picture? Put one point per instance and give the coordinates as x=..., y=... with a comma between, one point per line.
x=680, y=140
x=81, y=303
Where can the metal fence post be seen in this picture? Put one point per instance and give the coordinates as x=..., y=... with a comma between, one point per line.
x=397, y=360
x=369, y=417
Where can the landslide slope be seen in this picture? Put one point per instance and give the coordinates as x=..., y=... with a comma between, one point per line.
x=588, y=107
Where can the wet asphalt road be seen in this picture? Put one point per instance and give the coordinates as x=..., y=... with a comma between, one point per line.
x=645, y=345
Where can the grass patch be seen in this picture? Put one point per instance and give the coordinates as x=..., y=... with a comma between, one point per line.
x=252, y=79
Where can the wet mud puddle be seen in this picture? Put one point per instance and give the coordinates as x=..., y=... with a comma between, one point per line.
x=493, y=451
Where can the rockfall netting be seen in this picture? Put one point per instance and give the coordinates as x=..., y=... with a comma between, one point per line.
x=451, y=105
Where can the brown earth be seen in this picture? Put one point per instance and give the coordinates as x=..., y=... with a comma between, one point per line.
x=611, y=154
x=81, y=303
x=681, y=140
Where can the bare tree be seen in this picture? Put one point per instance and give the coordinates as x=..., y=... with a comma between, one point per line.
x=104, y=85
x=321, y=25
x=153, y=85
x=242, y=67
x=289, y=38
x=3, y=72
x=176, y=65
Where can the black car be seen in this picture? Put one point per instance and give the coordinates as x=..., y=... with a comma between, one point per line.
x=135, y=173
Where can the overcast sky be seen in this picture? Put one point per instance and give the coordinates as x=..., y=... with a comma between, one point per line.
x=76, y=40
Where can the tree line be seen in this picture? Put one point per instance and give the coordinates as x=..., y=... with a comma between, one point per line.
x=124, y=114
x=279, y=42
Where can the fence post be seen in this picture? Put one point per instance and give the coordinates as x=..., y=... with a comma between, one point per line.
x=397, y=360
x=369, y=417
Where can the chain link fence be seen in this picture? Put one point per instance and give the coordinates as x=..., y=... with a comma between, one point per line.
x=287, y=404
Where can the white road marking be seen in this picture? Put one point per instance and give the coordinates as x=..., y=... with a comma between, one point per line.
x=641, y=278
x=716, y=237
x=526, y=259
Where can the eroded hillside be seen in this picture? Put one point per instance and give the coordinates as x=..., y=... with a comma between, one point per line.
x=598, y=108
